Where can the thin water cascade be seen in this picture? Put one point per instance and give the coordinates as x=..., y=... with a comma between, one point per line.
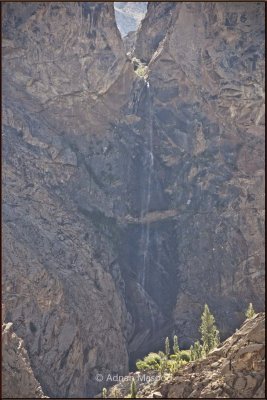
x=145, y=237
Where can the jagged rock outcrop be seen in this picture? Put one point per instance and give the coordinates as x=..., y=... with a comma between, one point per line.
x=64, y=66
x=129, y=201
x=234, y=370
x=66, y=61
x=129, y=42
x=18, y=380
x=154, y=28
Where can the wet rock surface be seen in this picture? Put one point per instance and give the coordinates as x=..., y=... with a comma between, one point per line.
x=129, y=201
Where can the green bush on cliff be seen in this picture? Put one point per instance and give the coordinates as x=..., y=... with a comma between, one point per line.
x=142, y=366
x=167, y=362
x=185, y=355
x=160, y=362
x=141, y=71
x=250, y=311
x=196, y=351
x=104, y=393
x=150, y=362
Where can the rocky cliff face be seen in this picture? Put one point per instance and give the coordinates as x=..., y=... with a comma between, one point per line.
x=154, y=28
x=209, y=104
x=17, y=374
x=204, y=191
x=129, y=203
x=64, y=292
x=234, y=370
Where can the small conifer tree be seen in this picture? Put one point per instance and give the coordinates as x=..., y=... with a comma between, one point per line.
x=167, y=347
x=197, y=350
x=208, y=330
x=192, y=353
x=175, y=345
x=104, y=393
x=161, y=354
x=250, y=311
x=163, y=366
x=133, y=389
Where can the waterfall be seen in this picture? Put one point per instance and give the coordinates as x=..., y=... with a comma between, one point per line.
x=146, y=197
x=145, y=237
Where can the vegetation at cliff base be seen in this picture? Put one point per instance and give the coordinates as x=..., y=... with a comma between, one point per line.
x=208, y=330
x=171, y=362
x=104, y=393
x=250, y=311
x=140, y=68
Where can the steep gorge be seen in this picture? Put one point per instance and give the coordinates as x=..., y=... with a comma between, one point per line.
x=129, y=202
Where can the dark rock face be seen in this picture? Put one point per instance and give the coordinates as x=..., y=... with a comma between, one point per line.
x=154, y=28
x=62, y=64
x=66, y=57
x=208, y=117
x=129, y=204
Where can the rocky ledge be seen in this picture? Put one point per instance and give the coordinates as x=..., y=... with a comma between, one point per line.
x=233, y=370
x=18, y=378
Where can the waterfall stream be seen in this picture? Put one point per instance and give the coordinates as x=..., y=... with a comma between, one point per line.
x=145, y=235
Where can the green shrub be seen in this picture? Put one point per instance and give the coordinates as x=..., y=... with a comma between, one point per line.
x=141, y=365
x=185, y=355
x=159, y=361
x=161, y=354
x=150, y=362
x=173, y=366
x=151, y=358
x=142, y=71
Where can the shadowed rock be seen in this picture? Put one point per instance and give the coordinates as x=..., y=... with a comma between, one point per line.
x=90, y=148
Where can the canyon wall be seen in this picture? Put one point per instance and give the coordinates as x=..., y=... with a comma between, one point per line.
x=208, y=105
x=17, y=374
x=62, y=86
x=129, y=203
